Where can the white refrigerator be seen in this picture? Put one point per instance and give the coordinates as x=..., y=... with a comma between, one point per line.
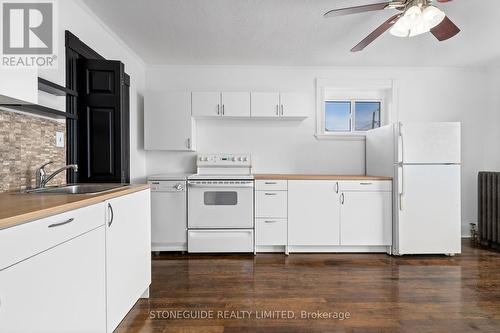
x=424, y=161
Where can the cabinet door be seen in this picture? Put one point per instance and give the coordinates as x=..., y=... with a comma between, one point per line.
x=366, y=218
x=313, y=212
x=295, y=105
x=206, y=104
x=128, y=253
x=167, y=121
x=236, y=104
x=51, y=291
x=265, y=104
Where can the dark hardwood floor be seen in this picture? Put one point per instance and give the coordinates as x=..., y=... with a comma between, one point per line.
x=381, y=293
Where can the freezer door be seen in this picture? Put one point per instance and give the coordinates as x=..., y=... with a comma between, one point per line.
x=429, y=143
x=427, y=209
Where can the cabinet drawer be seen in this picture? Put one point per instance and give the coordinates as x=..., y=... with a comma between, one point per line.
x=235, y=240
x=271, y=185
x=271, y=204
x=366, y=185
x=25, y=240
x=270, y=231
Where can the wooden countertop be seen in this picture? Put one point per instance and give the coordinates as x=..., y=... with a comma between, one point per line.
x=18, y=208
x=317, y=177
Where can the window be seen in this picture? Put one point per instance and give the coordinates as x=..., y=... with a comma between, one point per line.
x=352, y=116
x=346, y=109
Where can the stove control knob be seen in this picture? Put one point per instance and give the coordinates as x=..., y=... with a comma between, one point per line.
x=245, y=159
x=239, y=158
x=200, y=158
x=233, y=159
x=205, y=159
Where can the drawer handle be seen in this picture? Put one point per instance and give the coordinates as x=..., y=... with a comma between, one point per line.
x=61, y=223
x=267, y=193
x=365, y=183
x=270, y=183
x=270, y=221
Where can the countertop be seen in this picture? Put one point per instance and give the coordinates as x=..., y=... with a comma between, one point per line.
x=317, y=177
x=18, y=208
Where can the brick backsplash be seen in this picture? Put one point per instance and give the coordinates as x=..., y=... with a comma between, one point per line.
x=26, y=142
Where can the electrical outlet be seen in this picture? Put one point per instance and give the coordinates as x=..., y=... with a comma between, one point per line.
x=60, y=139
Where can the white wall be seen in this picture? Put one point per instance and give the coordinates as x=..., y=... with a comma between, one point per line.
x=425, y=94
x=492, y=129
x=74, y=16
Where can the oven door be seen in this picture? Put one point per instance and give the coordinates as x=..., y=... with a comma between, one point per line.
x=214, y=204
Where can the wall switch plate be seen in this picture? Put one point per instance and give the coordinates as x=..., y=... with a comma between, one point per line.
x=60, y=139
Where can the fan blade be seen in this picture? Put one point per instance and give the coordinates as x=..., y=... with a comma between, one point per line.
x=443, y=0
x=357, y=9
x=376, y=33
x=445, y=30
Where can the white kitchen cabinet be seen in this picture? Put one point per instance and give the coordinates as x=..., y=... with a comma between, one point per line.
x=18, y=86
x=285, y=105
x=366, y=218
x=270, y=231
x=128, y=253
x=271, y=204
x=313, y=213
x=168, y=124
x=206, y=104
x=235, y=104
x=295, y=105
x=265, y=104
x=220, y=104
x=62, y=289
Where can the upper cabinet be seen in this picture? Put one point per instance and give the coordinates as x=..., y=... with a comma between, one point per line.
x=285, y=105
x=235, y=104
x=294, y=105
x=206, y=104
x=169, y=117
x=221, y=104
x=18, y=86
x=168, y=124
x=265, y=104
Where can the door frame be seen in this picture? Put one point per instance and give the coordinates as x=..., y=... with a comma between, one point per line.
x=75, y=49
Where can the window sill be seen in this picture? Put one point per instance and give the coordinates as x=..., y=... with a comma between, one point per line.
x=341, y=136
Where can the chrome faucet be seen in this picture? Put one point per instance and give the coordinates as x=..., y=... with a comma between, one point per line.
x=41, y=175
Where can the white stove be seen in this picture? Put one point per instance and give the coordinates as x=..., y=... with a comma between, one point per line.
x=220, y=204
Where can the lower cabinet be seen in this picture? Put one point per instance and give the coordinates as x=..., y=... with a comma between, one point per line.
x=339, y=215
x=128, y=253
x=79, y=271
x=313, y=213
x=60, y=290
x=271, y=232
x=366, y=218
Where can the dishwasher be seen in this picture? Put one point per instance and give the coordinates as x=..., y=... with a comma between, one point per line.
x=168, y=213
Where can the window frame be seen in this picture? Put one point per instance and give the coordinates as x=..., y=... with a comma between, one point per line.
x=382, y=91
x=352, y=113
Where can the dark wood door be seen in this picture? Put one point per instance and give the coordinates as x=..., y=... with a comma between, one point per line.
x=103, y=129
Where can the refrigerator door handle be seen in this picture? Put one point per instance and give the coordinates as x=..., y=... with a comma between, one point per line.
x=401, y=144
x=400, y=185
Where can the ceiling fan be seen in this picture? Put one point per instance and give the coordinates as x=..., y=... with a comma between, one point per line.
x=416, y=17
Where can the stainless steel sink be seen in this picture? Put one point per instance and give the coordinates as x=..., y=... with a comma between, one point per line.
x=76, y=189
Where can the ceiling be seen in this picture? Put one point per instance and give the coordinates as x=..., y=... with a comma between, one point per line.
x=291, y=32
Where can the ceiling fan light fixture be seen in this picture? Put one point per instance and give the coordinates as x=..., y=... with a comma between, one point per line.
x=416, y=21
x=433, y=16
x=401, y=28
